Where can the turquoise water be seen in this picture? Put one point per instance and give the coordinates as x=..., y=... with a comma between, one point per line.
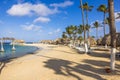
x=20, y=51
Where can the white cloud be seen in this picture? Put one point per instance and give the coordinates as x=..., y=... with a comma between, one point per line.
x=117, y=16
x=31, y=27
x=42, y=19
x=117, y=20
x=28, y=9
x=41, y=9
x=62, y=5
x=50, y=33
x=20, y=9
x=54, y=32
x=57, y=31
x=10, y=32
x=100, y=28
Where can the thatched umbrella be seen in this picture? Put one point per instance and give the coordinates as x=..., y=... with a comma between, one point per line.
x=92, y=41
x=107, y=39
x=99, y=41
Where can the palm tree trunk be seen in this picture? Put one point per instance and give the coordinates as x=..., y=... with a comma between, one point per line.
x=86, y=17
x=83, y=20
x=74, y=40
x=112, y=32
x=97, y=33
x=104, y=23
x=87, y=23
x=86, y=50
x=88, y=33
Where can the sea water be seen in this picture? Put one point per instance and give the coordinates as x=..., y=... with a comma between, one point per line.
x=20, y=51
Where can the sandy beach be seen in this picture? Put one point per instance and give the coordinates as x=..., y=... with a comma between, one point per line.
x=59, y=63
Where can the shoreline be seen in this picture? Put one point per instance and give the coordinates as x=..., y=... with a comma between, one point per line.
x=40, y=47
x=4, y=59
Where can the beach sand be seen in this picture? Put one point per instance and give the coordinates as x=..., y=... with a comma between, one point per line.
x=59, y=63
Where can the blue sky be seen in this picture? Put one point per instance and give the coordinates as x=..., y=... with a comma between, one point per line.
x=34, y=20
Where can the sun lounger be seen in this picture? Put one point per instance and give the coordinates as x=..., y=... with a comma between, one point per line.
x=81, y=49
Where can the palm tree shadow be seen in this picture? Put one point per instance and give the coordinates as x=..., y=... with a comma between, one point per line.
x=63, y=67
x=96, y=63
x=98, y=54
x=57, y=65
x=102, y=64
x=3, y=63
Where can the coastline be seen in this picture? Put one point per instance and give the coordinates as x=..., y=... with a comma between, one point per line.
x=20, y=52
x=55, y=62
x=41, y=48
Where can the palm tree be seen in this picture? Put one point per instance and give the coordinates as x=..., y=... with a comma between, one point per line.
x=64, y=38
x=80, y=38
x=112, y=32
x=74, y=35
x=69, y=32
x=107, y=21
x=81, y=6
x=96, y=25
x=87, y=27
x=64, y=35
x=87, y=8
x=83, y=23
x=104, y=9
x=80, y=30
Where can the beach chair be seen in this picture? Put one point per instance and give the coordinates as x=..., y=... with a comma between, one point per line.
x=80, y=49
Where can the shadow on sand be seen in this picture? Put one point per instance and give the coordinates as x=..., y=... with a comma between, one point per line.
x=91, y=68
x=3, y=62
x=2, y=65
x=100, y=54
x=63, y=67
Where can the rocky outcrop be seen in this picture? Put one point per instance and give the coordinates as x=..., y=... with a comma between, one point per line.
x=107, y=39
